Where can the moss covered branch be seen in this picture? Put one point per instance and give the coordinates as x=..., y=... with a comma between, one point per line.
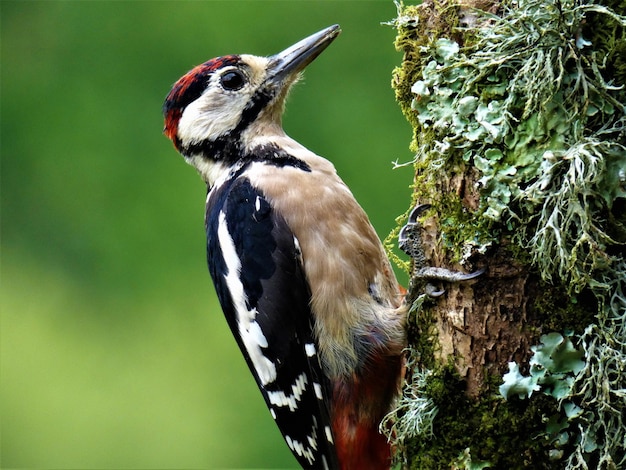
x=519, y=118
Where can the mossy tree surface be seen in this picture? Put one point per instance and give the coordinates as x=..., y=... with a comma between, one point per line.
x=519, y=116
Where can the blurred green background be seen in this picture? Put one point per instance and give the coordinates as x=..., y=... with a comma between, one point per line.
x=114, y=352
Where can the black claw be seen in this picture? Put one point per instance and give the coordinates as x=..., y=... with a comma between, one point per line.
x=467, y=277
x=403, y=236
x=416, y=212
x=444, y=275
x=431, y=292
x=410, y=241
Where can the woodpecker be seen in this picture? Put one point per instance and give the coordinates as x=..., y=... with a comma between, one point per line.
x=303, y=280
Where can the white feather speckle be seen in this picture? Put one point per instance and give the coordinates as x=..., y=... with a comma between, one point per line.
x=318, y=391
x=329, y=434
x=300, y=449
x=291, y=400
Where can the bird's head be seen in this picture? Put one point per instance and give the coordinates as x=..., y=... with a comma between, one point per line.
x=216, y=107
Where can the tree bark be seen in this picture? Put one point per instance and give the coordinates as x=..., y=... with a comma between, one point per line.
x=520, y=146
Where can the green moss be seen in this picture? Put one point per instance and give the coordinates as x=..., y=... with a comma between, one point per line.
x=422, y=329
x=461, y=233
x=442, y=21
x=531, y=108
x=519, y=115
x=557, y=311
x=505, y=434
x=609, y=40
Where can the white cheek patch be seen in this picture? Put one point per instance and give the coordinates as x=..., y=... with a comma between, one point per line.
x=212, y=115
x=249, y=330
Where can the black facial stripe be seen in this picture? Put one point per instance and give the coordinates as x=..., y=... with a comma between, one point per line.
x=257, y=103
x=185, y=93
x=227, y=148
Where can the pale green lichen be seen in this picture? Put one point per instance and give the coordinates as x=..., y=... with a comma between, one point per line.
x=414, y=413
x=553, y=366
x=466, y=462
x=520, y=104
x=533, y=103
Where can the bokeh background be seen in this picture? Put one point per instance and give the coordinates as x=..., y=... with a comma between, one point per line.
x=114, y=352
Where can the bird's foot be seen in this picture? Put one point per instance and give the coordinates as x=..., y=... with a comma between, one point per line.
x=410, y=241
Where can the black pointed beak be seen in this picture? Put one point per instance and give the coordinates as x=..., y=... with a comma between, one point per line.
x=294, y=59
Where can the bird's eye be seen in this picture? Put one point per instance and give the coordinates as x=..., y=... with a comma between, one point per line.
x=232, y=80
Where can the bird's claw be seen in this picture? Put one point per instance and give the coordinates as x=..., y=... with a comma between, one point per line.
x=409, y=238
x=410, y=241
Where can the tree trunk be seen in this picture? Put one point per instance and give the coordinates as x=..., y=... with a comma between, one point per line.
x=520, y=142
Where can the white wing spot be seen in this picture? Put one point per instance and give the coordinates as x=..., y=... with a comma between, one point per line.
x=282, y=399
x=296, y=244
x=249, y=330
x=300, y=449
x=318, y=391
x=257, y=204
x=329, y=434
x=310, y=349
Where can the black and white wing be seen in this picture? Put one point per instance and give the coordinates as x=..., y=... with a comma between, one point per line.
x=256, y=265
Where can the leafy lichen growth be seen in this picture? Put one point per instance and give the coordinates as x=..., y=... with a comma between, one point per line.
x=441, y=426
x=533, y=105
x=416, y=409
x=553, y=366
x=523, y=104
x=468, y=432
x=466, y=462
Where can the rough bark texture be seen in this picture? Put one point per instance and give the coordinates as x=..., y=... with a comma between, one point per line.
x=483, y=326
x=453, y=414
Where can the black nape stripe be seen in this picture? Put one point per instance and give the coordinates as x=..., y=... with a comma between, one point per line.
x=223, y=149
x=228, y=150
x=274, y=155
